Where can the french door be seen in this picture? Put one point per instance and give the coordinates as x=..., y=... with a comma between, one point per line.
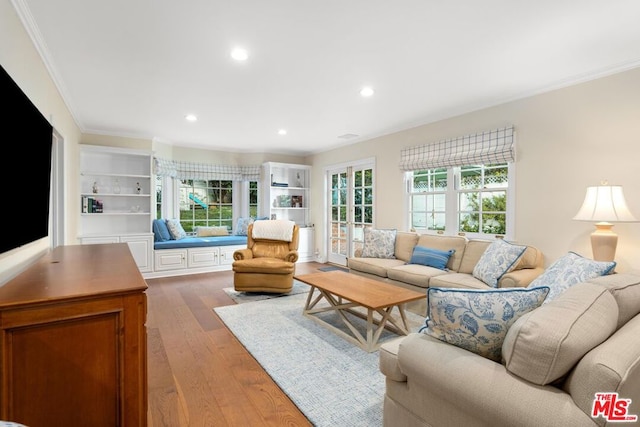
x=350, y=208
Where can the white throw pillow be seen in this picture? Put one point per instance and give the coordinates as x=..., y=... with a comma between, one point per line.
x=499, y=258
x=379, y=243
x=569, y=270
x=478, y=319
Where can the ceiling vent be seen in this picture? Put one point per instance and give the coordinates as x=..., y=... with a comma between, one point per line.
x=348, y=136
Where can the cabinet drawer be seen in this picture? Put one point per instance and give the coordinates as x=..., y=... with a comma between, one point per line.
x=204, y=257
x=170, y=259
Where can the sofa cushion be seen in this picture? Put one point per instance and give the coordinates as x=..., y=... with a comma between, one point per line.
x=445, y=243
x=379, y=243
x=472, y=253
x=415, y=274
x=611, y=366
x=625, y=288
x=160, y=231
x=175, y=229
x=543, y=345
x=431, y=257
x=458, y=280
x=499, y=258
x=569, y=270
x=405, y=242
x=376, y=266
x=478, y=320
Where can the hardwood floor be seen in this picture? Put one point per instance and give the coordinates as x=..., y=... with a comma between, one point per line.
x=198, y=372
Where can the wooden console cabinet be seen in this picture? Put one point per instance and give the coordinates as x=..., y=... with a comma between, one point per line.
x=73, y=340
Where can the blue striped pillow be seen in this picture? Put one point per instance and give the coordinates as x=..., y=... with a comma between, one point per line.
x=431, y=257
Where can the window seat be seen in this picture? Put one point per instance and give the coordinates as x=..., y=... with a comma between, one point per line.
x=200, y=242
x=191, y=254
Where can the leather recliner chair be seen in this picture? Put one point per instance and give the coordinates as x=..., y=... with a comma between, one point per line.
x=267, y=264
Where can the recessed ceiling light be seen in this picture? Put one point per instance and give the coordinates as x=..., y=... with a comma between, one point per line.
x=239, y=54
x=191, y=118
x=282, y=132
x=366, y=91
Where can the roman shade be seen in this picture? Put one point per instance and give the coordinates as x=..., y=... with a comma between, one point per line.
x=205, y=171
x=483, y=148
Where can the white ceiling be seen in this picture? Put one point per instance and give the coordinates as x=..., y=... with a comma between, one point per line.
x=137, y=67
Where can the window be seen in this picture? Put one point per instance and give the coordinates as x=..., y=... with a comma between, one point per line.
x=469, y=200
x=253, y=199
x=205, y=203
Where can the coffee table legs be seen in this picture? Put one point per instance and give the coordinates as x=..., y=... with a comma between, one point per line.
x=375, y=324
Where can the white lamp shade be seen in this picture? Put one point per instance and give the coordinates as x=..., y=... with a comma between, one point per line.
x=604, y=203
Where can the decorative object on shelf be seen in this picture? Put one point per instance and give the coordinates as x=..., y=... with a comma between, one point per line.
x=284, y=201
x=298, y=182
x=296, y=201
x=275, y=204
x=273, y=216
x=95, y=187
x=604, y=204
x=116, y=187
x=138, y=189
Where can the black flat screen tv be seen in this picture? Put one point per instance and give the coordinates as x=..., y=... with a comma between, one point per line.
x=26, y=168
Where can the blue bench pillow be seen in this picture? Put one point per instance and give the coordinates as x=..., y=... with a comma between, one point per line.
x=160, y=231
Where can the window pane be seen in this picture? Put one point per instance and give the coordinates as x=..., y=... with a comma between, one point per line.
x=469, y=222
x=470, y=177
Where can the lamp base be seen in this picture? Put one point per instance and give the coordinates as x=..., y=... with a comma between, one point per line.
x=604, y=242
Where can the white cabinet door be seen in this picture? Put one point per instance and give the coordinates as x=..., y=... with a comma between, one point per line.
x=170, y=259
x=203, y=257
x=141, y=249
x=305, y=244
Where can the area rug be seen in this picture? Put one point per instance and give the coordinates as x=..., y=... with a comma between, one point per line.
x=332, y=381
x=333, y=268
x=243, y=297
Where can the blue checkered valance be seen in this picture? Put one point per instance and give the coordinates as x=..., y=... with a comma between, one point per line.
x=206, y=171
x=484, y=148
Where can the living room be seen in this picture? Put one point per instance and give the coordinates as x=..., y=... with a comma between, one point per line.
x=568, y=137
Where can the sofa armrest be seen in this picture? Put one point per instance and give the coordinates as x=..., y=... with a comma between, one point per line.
x=457, y=385
x=519, y=278
x=241, y=254
x=292, y=256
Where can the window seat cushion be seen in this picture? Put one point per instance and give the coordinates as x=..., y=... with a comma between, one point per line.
x=200, y=242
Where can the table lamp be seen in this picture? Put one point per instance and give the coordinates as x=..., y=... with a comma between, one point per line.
x=604, y=204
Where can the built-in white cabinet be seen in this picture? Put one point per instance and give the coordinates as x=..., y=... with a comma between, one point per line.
x=285, y=192
x=117, y=199
x=286, y=195
x=195, y=259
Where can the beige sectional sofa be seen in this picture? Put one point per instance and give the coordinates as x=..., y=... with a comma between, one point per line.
x=555, y=359
x=460, y=267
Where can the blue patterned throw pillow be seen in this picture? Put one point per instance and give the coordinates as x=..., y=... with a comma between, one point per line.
x=499, y=258
x=379, y=243
x=175, y=229
x=478, y=319
x=242, y=226
x=569, y=270
x=431, y=257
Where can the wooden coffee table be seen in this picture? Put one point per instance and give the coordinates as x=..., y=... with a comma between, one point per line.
x=345, y=292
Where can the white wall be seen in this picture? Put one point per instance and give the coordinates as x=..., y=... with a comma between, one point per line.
x=21, y=60
x=566, y=140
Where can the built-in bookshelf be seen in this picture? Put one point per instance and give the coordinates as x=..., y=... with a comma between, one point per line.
x=286, y=195
x=117, y=199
